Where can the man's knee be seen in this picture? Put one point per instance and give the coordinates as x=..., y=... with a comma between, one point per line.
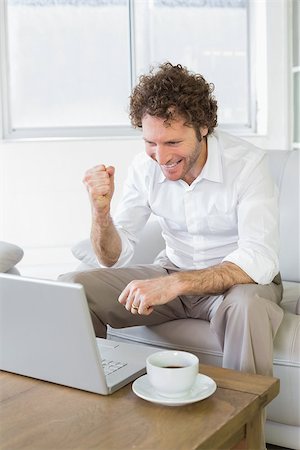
x=244, y=297
x=71, y=277
x=255, y=294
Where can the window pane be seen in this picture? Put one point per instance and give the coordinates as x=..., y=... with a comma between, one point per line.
x=68, y=62
x=207, y=36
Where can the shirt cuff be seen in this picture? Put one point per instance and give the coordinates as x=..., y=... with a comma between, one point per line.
x=260, y=268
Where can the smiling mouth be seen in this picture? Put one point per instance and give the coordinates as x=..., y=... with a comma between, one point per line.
x=171, y=166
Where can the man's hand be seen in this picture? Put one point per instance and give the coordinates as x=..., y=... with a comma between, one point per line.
x=99, y=182
x=106, y=241
x=140, y=296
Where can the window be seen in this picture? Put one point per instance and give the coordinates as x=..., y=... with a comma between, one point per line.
x=209, y=37
x=69, y=65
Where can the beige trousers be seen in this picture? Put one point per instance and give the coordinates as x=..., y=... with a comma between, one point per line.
x=245, y=319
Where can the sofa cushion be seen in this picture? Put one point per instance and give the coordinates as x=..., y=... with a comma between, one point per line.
x=84, y=251
x=193, y=335
x=149, y=245
x=10, y=255
x=291, y=297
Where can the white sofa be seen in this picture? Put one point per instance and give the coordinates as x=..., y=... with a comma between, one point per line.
x=283, y=424
x=10, y=256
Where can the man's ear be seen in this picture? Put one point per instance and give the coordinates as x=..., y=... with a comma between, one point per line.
x=204, y=131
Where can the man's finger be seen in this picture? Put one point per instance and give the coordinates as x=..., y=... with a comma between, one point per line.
x=123, y=296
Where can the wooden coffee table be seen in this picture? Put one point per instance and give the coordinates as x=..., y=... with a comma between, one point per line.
x=36, y=415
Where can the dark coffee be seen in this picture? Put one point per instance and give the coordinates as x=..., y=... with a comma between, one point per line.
x=173, y=367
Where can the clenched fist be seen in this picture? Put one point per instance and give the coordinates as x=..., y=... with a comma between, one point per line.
x=99, y=182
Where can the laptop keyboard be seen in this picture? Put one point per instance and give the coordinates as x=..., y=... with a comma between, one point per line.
x=112, y=366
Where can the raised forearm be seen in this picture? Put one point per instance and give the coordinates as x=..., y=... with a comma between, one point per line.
x=99, y=181
x=106, y=240
x=213, y=280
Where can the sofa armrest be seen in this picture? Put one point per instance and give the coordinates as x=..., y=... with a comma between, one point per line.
x=291, y=297
x=84, y=251
x=10, y=255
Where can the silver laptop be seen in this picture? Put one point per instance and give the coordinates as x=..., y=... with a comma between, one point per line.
x=46, y=333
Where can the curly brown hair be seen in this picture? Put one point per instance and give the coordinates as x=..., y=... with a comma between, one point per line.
x=172, y=91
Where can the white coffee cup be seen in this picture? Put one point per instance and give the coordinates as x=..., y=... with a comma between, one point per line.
x=172, y=373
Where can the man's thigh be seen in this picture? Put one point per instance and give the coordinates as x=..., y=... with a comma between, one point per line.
x=103, y=287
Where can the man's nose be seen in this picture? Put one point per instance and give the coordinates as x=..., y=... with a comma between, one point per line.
x=161, y=155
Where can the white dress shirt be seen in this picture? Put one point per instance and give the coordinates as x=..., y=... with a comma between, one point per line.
x=228, y=213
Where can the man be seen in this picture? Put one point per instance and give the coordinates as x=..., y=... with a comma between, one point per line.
x=217, y=206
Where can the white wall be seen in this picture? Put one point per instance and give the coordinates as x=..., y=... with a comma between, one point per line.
x=44, y=204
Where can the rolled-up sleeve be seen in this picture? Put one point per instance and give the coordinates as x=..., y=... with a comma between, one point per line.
x=258, y=224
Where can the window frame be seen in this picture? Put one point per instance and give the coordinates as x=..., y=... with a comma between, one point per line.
x=253, y=128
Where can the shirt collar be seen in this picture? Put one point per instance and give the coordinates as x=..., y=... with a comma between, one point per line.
x=212, y=169
x=161, y=178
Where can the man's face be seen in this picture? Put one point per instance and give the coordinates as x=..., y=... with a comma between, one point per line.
x=175, y=147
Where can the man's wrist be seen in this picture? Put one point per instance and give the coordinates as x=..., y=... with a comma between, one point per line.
x=178, y=284
x=102, y=219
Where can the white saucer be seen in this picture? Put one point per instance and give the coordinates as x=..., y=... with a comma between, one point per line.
x=203, y=388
